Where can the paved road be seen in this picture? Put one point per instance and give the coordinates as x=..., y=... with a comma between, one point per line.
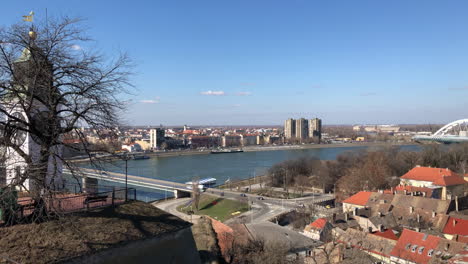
x=263, y=208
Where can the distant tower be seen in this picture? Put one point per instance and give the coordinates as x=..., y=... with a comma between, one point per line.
x=290, y=128
x=315, y=128
x=156, y=137
x=302, y=128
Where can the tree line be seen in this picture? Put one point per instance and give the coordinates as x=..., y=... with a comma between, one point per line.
x=364, y=170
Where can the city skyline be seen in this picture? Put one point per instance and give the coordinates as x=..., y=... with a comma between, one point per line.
x=247, y=63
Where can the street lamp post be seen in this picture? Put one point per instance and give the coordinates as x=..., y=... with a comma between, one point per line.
x=126, y=177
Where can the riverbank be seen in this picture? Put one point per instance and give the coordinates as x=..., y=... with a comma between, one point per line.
x=262, y=148
x=315, y=146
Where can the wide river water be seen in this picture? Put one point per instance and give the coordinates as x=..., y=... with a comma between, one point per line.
x=232, y=166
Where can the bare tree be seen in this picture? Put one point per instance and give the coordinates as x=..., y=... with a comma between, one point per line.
x=51, y=85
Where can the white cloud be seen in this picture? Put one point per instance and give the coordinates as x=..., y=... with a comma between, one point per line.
x=243, y=93
x=150, y=101
x=76, y=47
x=209, y=92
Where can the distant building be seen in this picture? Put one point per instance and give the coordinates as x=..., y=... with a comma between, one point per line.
x=231, y=141
x=315, y=128
x=302, y=128
x=290, y=128
x=156, y=137
x=203, y=141
x=144, y=143
x=249, y=139
x=134, y=147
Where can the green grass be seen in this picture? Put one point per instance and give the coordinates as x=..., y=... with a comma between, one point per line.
x=216, y=207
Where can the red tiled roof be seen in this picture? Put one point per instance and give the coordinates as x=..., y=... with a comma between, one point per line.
x=386, y=234
x=225, y=235
x=319, y=223
x=359, y=198
x=438, y=176
x=410, y=239
x=456, y=226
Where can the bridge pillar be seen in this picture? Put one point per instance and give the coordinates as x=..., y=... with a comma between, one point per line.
x=90, y=185
x=180, y=194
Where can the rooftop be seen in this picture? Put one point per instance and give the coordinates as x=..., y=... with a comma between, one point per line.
x=456, y=226
x=438, y=176
x=416, y=247
x=359, y=198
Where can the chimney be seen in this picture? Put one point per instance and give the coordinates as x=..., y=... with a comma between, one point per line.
x=433, y=213
x=411, y=209
x=380, y=214
x=424, y=194
x=418, y=218
x=454, y=222
x=381, y=229
x=456, y=203
x=405, y=191
x=416, y=229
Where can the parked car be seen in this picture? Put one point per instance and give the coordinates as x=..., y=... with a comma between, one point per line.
x=243, y=195
x=261, y=198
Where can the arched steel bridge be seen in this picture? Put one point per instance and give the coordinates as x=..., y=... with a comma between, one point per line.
x=455, y=132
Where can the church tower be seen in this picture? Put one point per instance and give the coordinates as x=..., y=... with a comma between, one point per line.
x=32, y=123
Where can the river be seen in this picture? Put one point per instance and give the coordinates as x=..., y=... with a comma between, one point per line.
x=233, y=166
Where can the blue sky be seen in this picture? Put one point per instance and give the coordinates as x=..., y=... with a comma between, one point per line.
x=210, y=62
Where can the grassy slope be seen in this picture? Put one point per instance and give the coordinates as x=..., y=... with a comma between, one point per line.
x=75, y=235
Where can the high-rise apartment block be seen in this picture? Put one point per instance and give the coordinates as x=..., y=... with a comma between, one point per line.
x=315, y=128
x=290, y=128
x=156, y=137
x=302, y=128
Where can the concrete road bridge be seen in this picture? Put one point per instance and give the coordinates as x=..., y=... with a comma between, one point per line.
x=90, y=177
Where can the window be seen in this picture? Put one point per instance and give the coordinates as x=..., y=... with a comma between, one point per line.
x=413, y=249
x=429, y=253
x=420, y=250
x=407, y=247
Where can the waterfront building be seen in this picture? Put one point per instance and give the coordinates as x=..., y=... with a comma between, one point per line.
x=144, y=143
x=260, y=140
x=302, y=129
x=156, y=137
x=133, y=147
x=203, y=141
x=290, y=128
x=249, y=139
x=231, y=141
x=315, y=128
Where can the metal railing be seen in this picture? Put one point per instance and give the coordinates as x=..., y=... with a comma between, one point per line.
x=70, y=203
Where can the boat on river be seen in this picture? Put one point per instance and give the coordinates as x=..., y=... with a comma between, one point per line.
x=224, y=151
